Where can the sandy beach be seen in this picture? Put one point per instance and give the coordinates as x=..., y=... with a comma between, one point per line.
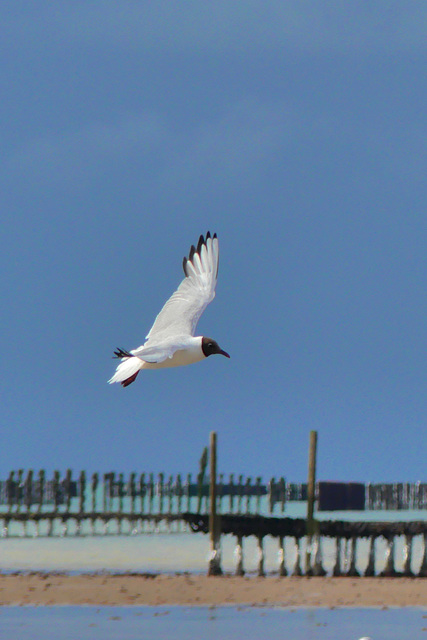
x=110, y=589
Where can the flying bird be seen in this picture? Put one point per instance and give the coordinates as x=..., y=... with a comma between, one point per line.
x=171, y=341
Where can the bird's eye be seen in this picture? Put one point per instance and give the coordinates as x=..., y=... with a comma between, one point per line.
x=210, y=344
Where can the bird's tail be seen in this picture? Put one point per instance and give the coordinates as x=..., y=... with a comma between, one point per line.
x=128, y=369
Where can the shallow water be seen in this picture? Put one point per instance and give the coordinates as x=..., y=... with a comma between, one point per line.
x=209, y=623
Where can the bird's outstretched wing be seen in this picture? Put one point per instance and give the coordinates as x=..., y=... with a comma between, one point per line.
x=181, y=313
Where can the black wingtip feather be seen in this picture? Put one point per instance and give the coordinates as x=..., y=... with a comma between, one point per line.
x=202, y=241
x=200, y=244
x=121, y=353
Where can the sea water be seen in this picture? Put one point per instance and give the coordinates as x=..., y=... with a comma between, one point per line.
x=211, y=623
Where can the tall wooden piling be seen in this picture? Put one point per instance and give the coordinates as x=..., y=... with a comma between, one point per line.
x=311, y=486
x=214, y=535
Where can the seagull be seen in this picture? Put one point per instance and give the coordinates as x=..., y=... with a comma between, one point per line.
x=171, y=341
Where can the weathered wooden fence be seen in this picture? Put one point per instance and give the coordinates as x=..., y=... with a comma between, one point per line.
x=144, y=494
x=27, y=492
x=112, y=503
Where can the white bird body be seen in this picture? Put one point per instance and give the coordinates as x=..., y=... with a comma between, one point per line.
x=171, y=341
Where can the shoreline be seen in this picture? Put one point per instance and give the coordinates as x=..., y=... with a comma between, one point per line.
x=53, y=588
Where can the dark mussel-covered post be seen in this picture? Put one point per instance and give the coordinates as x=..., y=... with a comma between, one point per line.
x=351, y=556
x=105, y=492
x=82, y=492
x=150, y=490
x=370, y=569
x=178, y=489
x=11, y=491
x=19, y=490
x=94, y=488
x=423, y=568
x=142, y=491
x=239, y=493
x=336, y=571
x=258, y=494
x=170, y=495
x=407, y=556
x=67, y=490
x=389, y=569
x=28, y=490
x=231, y=494
x=56, y=491
x=271, y=495
x=297, y=569
x=41, y=486
x=120, y=491
x=261, y=556
x=317, y=566
x=239, y=556
x=187, y=491
x=132, y=491
x=281, y=554
x=282, y=494
x=160, y=492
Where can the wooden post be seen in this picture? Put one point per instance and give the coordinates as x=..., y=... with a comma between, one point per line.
x=336, y=571
x=239, y=556
x=282, y=494
x=67, y=490
x=214, y=560
x=28, y=490
x=248, y=495
x=19, y=489
x=370, y=568
x=178, y=493
x=351, y=557
x=55, y=491
x=231, y=495
x=187, y=492
x=132, y=491
x=389, y=570
x=160, y=492
x=408, y=556
x=141, y=492
x=94, y=486
x=82, y=489
x=282, y=567
x=261, y=556
x=239, y=494
x=170, y=495
x=297, y=571
x=311, y=483
x=422, y=573
x=11, y=491
x=120, y=486
x=271, y=494
x=41, y=489
x=258, y=495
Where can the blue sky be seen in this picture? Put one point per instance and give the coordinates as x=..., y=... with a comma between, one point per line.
x=296, y=131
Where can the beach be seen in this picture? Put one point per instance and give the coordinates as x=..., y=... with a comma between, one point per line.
x=52, y=588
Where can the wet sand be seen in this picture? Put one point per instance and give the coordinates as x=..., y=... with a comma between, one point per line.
x=110, y=589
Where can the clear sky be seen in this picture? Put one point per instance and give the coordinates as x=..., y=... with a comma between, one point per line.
x=297, y=132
